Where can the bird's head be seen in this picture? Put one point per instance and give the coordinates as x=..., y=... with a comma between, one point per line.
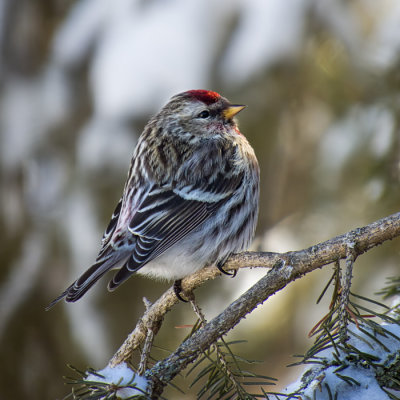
x=202, y=113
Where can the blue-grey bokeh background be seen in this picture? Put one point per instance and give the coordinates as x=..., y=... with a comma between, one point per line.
x=78, y=81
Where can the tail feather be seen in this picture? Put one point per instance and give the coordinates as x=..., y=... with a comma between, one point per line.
x=77, y=289
x=130, y=267
x=60, y=297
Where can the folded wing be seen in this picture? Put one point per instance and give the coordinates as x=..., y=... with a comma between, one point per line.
x=164, y=217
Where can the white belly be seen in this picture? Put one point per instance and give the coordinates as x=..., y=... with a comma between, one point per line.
x=172, y=265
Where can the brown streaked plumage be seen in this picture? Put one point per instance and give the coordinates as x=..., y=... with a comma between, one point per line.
x=190, y=199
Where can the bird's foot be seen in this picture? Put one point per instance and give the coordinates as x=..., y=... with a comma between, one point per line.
x=178, y=290
x=220, y=266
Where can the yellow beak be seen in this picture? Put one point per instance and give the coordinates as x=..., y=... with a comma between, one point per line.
x=232, y=110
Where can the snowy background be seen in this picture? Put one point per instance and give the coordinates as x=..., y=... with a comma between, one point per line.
x=78, y=81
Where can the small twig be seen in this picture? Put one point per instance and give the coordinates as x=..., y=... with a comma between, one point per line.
x=146, y=352
x=345, y=292
x=225, y=366
x=147, y=343
x=220, y=356
x=197, y=310
x=147, y=303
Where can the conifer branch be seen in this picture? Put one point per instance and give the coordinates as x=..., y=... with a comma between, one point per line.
x=285, y=268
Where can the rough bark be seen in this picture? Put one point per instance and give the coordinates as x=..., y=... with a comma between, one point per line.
x=284, y=268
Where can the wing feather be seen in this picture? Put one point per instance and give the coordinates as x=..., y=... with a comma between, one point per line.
x=167, y=216
x=112, y=224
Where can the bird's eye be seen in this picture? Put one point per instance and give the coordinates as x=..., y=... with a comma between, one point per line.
x=204, y=114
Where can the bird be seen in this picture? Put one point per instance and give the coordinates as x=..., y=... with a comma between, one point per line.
x=190, y=200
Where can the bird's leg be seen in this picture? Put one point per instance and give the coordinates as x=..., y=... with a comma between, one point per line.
x=220, y=265
x=178, y=290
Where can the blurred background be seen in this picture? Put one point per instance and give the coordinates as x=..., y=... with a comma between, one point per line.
x=78, y=81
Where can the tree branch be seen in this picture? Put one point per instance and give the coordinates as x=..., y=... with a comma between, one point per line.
x=285, y=268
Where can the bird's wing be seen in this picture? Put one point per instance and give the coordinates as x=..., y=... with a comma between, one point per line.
x=167, y=215
x=108, y=233
x=106, y=260
x=164, y=216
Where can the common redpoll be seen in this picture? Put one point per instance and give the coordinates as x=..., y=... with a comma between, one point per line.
x=190, y=199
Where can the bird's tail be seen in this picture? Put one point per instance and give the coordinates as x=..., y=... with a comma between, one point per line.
x=75, y=291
